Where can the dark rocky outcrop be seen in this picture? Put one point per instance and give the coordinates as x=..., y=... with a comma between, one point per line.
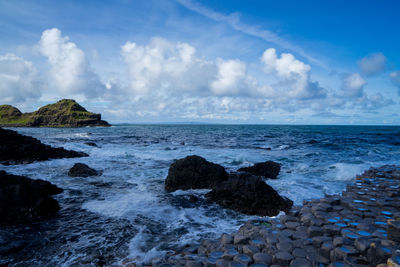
x=249, y=194
x=268, y=169
x=82, y=170
x=23, y=200
x=64, y=113
x=240, y=191
x=16, y=149
x=194, y=172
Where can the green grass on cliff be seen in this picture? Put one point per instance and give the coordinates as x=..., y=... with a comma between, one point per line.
x=11, y=116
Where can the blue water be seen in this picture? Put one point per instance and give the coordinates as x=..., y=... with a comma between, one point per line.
x=129, y=196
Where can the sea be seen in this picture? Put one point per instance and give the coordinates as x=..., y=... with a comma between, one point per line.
x=126, y=213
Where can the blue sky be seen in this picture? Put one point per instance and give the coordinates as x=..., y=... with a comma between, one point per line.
x=292, y=62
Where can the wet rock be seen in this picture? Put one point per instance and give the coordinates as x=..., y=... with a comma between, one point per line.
x=194, y=172
x=393, y=230
x=242, y=258
x=226, y=239
x=283, y=258
x=17, y=149
x=82, y=170
x=239, y=239
x=91, y=144
x=300, y=262
x=250, y=195
x=268, y=169
x=262, y=258
x=23, y=200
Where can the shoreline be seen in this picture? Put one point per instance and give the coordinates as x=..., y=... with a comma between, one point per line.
x=360, y=227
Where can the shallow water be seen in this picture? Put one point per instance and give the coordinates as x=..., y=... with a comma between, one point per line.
x=126, y=212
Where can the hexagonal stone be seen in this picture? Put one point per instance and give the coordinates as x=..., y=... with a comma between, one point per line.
x=300, y=262
x=292, y=225
x=283, y=258
x=236, y=264
x=193, y=264
x=239, y=239
x=262, y=258
x=299, y=253
x=250, y=250
x=313, y=231
x=285, y=246
x=222, y=263
x=331, y=229
x=226, y=239
x=326, y=248
x=242, y=258
x=344, y=252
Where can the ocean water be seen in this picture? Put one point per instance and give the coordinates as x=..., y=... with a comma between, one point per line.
x=126, y=212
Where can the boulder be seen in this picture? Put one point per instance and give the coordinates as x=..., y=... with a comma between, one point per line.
x=16, y=149
x=268, y=169
x=23, y=200
x=82, y=170
x=249, y=194
x=194, y=172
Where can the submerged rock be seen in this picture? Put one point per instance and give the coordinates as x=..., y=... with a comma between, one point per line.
x=268, y=169
x=23, y=200
x=194, y=172
x=250, y=195
x=16, y=149
x=82, y=170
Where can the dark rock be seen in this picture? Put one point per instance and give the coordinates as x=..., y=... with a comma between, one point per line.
x=23, y=200
x=16, y=149
x=268, y=169
x=194, y=172
x=250, y=195
x=300, y=262
x=82, y=170
x=91, y=144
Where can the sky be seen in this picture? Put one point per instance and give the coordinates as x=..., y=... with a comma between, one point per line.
x=245, y=62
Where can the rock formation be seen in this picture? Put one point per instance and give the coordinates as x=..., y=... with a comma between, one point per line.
x=16, y=149
x=23, y=200
x=194, y=172
x=82, y=170
x=242, y=191
x=268, y=169
x=64, y=113
x=249, y=194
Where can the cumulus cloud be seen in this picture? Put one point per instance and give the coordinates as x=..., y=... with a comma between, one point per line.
x=372, y=64
x=18, y=79
x=163, y=64
x=70, y=71
x=395, y=78
x=293, y=75
x=353, y=85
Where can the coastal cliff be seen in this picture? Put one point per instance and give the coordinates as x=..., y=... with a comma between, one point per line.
x=64, y=113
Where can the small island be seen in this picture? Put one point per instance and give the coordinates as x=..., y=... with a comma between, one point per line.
x=65, y=113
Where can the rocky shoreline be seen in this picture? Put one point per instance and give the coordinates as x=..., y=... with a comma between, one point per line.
x=360, y=227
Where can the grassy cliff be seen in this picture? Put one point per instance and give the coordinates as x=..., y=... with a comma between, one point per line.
x=64, y=113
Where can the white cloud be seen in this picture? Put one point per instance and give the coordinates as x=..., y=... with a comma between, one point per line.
x=70, y=71
x=293, y=75
x=353, y=85
x=18, y=80
x=395, y=78
x=372, y=64
x=231, y=77
x=163, y=64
